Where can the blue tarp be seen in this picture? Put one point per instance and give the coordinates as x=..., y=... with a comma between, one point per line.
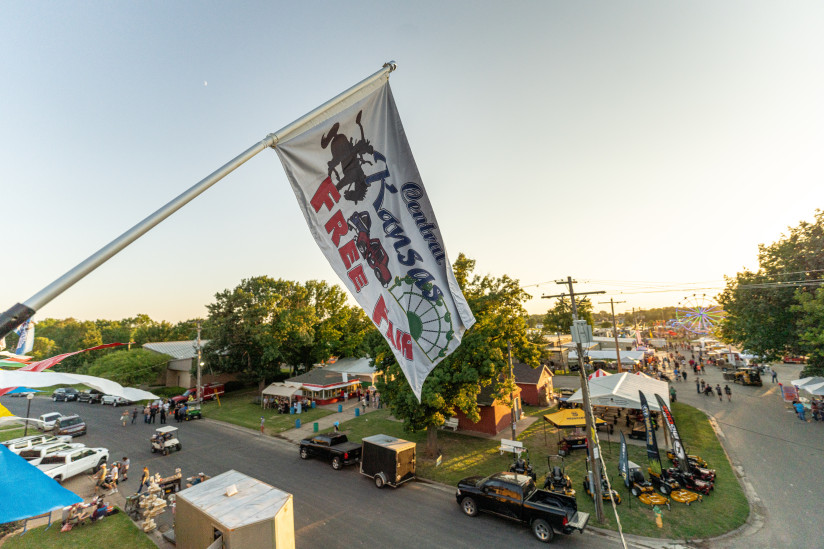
x=23, y=390
x=26, y=491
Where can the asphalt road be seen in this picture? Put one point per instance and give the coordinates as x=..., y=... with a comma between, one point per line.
x=332, y=508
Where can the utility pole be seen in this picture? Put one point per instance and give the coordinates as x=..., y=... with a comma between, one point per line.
x=594, y=472
x=512, y=393
x=614, y=330
x=199, y=387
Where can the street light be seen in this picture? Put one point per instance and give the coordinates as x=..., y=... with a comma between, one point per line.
x=29, y=397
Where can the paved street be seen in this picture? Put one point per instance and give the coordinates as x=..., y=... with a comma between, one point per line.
x=332, y=508
x=775, y=453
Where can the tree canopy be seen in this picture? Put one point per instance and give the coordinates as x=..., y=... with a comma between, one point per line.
x=481, y=359
x=559, y=318
x=778, y=309
x=264, y=323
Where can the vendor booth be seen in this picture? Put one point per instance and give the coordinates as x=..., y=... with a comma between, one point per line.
x=621, y=391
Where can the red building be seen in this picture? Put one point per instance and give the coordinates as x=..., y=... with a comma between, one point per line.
x=496, y=415
x=535, y=383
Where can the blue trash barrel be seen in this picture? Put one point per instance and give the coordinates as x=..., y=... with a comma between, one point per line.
x=297, y=423
x=340, y=408
x=313, y=404
x=357, y=412
x=315, y=427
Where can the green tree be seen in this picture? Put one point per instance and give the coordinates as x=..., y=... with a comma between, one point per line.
x=771, y=311
x=43, y=348
x=480, y=361
x=129, y=368
x=559, y=318
x=264, y=323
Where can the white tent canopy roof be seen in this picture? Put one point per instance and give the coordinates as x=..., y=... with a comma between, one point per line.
x=800, y=383
x=47, y=379
x=610, y=354
x=621, y=391
x=282, y=389
x=814, y=388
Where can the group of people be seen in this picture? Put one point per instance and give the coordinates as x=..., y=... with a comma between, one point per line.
x=108, y=477
x=155, y=409
x=370, y=397
x=82, y=512
x=702, y=387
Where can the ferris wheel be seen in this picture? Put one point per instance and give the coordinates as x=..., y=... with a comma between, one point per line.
x=698, y=314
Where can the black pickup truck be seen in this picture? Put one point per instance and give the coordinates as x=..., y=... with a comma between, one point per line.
x=516, y=497
x=334, y=448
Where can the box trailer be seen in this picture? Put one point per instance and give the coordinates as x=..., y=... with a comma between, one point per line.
x=388, y=460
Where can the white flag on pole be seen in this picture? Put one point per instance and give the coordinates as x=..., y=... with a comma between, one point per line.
x=25, y=343
x=356, y=181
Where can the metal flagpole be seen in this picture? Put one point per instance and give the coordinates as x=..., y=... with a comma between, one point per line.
x=20, y=312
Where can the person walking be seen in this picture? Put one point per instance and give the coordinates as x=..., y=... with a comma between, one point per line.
x=152, y=414
x=799, y=409
x=146, y=412
x=162, y=415
x=698, y=385
x=100, y=477
x=114, y=476
x=728, y=392
x=134, y=414
x=684, y=374
x=774, y=374
x=124, y=468
x=144, y=480
x=363, y=404
x=262, y=422
x=124, y=417
x=718, y=390
x=672, y=393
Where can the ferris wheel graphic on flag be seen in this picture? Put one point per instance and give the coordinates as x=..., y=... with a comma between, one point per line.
x=430, y=323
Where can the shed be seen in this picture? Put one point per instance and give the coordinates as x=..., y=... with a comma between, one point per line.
x=254, y=515
x=325, y=386
x=496, y=415
x=182, y=362
x=535, y=383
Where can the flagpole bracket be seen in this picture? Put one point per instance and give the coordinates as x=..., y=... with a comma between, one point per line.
x=14, y=317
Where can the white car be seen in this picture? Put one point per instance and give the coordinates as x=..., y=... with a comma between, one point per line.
x=48, y=421
x=114, y=400
x=17, y=445
x=69, y=463
x=35, y=455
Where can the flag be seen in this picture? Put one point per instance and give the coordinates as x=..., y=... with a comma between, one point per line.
x=358, y=186
x=26, y=341
x=623, y=460
x=2, y=343
x=47, y=363
x=677, y=446
x=653, y=456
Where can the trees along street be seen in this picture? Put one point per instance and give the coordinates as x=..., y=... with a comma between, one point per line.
x=330, y=505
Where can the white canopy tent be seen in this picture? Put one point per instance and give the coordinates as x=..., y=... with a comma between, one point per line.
x=281, y=389
x=621, y=391
x=610, y=354
x=47, y=379
x=814, y=388
x=805, y=381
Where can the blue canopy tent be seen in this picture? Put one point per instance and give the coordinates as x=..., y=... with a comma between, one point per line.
x=26, y=491
x=23, y=390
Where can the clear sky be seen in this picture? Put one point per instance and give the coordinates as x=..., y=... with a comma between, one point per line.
x=633, y=145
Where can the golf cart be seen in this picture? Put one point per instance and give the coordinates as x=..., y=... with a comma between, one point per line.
x=165, y=440
x=744, y=376
x=556, y=478
x=642, y=488
x=193, y=410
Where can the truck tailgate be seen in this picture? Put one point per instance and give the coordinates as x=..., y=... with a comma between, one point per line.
x=578, y=521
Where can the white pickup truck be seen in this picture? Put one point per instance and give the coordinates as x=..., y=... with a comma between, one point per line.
x=38, y=453
x=68, y=463
x=17, y=445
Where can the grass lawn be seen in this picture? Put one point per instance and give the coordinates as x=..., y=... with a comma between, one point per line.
x=725, y=509
x=238, y=408
x=116, y=530
x=15, y=431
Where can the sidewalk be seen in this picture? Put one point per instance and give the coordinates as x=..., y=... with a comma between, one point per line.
x=306, y=430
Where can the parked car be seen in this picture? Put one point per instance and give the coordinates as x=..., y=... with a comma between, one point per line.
x=115, y=401
x=334, y=448
x=794, y=360
x=17, y=445
x=48, y=421
x=65, y=394
x=36, y=454
x=210, y=392
x=516, y=496
x=91, y=396
x=69, y=463
x=69, y=425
